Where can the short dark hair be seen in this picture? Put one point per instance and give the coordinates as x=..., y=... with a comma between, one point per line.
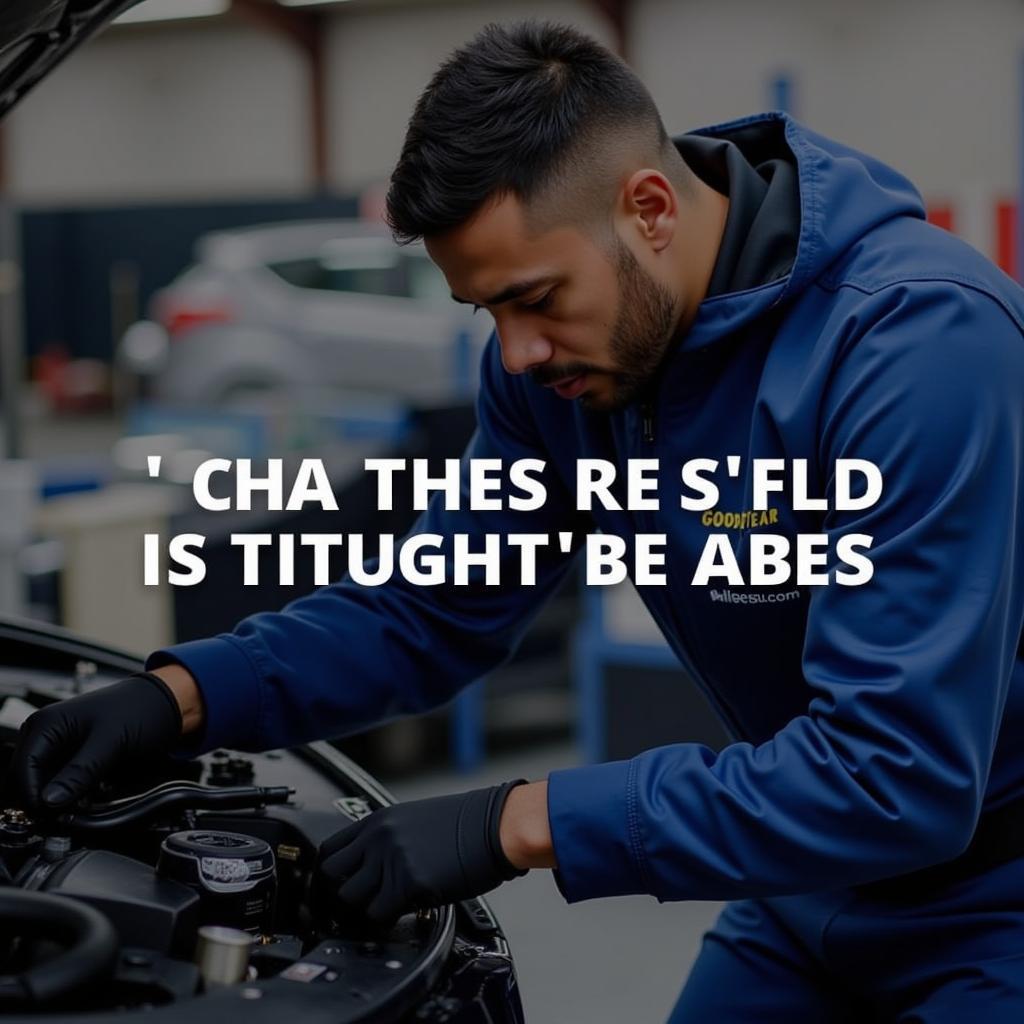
x=510, y=112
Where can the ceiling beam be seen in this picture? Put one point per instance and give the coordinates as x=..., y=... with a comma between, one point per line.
x=617, y=14
x=305, y=30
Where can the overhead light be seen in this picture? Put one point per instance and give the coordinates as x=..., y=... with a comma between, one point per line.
x=306, y=3
x=173, y=10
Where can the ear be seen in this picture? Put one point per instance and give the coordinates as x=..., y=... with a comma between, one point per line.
x=651, y=205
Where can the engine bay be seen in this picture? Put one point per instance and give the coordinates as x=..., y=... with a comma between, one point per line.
x=192, y=891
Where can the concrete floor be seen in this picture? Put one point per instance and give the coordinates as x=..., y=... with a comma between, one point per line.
x=600, y=961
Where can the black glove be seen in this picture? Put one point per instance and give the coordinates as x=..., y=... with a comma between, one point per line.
x=64, y=750
x=419, y=854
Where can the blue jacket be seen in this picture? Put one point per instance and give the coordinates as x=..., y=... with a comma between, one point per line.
x=872, y=724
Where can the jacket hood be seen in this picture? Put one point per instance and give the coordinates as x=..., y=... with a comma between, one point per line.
x=844, y=194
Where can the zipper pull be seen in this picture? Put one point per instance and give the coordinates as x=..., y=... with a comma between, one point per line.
x=647, y=419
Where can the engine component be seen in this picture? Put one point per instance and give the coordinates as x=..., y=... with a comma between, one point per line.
x=234, y=875
x=175, y=796
x=103, y=856
x=18, y=840
x=145, y=909
x=222, y=955
x=55, y=848
x=89, y=956
x=226, y=770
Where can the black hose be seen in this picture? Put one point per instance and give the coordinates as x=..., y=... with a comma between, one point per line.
x=134, y=809
x=90, y=940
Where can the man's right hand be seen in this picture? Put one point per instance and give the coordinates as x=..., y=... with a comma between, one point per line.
x=64, y=750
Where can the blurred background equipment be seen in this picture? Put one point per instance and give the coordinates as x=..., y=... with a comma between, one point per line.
x=19, y=498
x=193, y=264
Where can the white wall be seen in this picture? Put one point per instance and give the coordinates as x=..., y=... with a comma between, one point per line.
x=381, y=58
x=218, y=110
x=139, y=113
x=931, y=86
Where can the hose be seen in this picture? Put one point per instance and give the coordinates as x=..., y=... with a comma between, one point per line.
x=173, y=795
x=90, y=940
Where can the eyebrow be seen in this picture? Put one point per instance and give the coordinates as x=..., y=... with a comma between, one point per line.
x=513, y=291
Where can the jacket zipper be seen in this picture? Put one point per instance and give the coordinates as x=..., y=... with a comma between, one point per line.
x=647, y=421
x=645, y=409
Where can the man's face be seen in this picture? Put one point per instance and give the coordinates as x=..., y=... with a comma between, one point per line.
x=579, y=316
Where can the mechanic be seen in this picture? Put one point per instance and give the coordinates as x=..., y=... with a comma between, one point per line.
x=750, y=288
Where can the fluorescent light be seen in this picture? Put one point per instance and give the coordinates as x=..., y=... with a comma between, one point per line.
x=306, y=3
x=173, y=10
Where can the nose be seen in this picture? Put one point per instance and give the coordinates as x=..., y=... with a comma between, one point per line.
x=522, y=348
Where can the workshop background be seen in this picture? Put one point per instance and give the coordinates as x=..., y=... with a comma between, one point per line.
x=155, y=313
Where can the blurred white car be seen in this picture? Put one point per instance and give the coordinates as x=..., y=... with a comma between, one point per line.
x=306, y=305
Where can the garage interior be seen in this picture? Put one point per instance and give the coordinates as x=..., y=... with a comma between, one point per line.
x=193, y=265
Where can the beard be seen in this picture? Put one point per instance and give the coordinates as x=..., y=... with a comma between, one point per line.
x=643, y=329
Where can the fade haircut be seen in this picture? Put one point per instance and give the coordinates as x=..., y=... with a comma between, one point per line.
x=532, y=109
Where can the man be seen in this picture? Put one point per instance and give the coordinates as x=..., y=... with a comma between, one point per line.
x=752, y=289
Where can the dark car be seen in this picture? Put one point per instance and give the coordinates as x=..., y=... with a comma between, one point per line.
x=102, y=910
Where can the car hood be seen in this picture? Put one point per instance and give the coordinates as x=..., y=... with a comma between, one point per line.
x=36, y=35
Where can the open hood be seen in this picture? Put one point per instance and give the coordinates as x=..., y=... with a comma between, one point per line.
x=36, y=35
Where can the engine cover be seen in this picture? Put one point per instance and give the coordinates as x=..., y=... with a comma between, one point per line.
x=147, y=910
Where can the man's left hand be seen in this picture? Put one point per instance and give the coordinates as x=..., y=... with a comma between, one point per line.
x=424, y=853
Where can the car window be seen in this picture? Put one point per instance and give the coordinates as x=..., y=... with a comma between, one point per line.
x=324, y=275
x=363, y=266
x=304, y=273
x=367, y=270
x=426, y=282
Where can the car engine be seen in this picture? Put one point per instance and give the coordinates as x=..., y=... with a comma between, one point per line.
x=191, y=892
